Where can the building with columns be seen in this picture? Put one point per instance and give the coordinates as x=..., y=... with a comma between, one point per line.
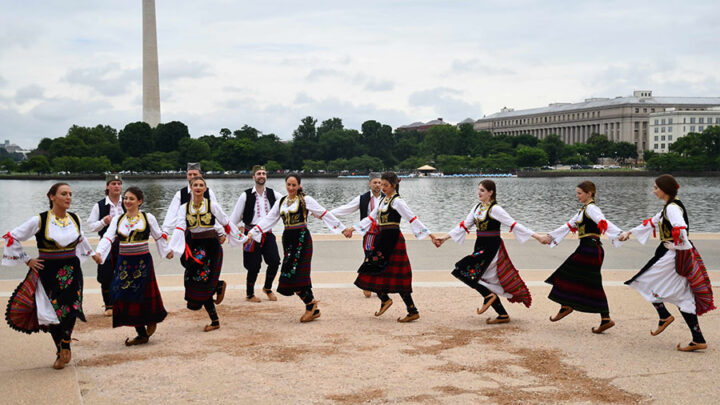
x=668, y=126
x=621, y=119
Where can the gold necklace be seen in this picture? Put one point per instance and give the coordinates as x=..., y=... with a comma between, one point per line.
x=291, y=201
x=61, y=222
x=197, y=205
x=133, y=220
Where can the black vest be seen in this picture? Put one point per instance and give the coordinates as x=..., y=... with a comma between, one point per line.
x=249, y=211
x=487, y=224
x=185, y=195
x=364, y=201
x=587, y=227
x=135, y=236
x=204, y=219
x=390, y=216
x=665, y=225
x=44, y=243
x=298, y=217
x=105, y=211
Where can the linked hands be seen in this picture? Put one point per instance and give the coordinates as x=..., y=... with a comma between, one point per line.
x=624, y=236
x=96, y=257
x=544, y=239
x=348, y=232
x=438, y=241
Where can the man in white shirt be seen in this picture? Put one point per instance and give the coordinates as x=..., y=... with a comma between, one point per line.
x=252, y=206
x=366, y=203
x=183, y=196
x=100, y=216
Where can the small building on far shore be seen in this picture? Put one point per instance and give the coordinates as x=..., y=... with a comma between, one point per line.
x=421, y=126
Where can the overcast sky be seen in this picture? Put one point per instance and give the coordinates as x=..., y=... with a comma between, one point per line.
x=268, y=64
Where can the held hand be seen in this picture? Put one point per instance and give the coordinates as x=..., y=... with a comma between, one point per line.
x=221, y=239
x=624, y=236
x=545, y=239
x=107, y=219
x=96, y=257
x=241, y=229
x=348, y=232
x=669, y=246
x=35, y=264
x=170, y=255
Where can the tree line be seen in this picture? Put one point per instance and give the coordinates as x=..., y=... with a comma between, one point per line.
x=330, y=146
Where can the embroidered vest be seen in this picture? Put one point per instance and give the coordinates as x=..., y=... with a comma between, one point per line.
x=587, y=227
x=293, y=218
x=202, y=219
x=364, y=201
x=44, y=243
x=136, y=235
x=665, y=225
x=249, y=211
x=104, y=210
x=186, y=196
x=486, y=223
x=389, y=216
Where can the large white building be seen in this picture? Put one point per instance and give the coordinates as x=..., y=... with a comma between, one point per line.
x=667, y=126
x=620, y=119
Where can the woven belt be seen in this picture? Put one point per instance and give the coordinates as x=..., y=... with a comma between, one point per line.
x=204, y=234
x=56, y=254
x=134, y=249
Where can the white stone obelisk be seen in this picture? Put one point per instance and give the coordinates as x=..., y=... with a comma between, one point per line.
x=151, y=77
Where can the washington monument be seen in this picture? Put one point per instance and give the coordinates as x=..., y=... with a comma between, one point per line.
x=151, y=80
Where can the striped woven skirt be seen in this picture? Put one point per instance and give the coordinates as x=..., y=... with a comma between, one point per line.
x=202, y=270
x=134, y=290
x=297, y=256
x=392, y=273
x=577, y=283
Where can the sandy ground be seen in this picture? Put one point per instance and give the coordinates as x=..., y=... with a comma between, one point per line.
x=263, y=354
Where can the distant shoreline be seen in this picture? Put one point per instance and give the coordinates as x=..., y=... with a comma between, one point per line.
x=524, y=174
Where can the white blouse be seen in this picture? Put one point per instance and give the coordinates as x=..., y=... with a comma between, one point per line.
x=14, y=254
x=354, y=205
x=177, y=242
x=125, y=228
x=594, y=212
x=313, y=207
x=398, y=204
x=522, y=234
x=674, y=214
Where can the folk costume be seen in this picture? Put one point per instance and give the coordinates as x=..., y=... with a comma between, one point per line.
x=95, y=223
x=577, y=283
x=182, y=196
x=676, y=273
x=195, y=239
x=49, y=299
x=489, y=269
x=250, y=209
x=297, y=245
x=134, y=290
x=386, y=268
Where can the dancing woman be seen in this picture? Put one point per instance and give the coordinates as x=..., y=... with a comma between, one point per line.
x=297, y=242
x=489, y=269
x=50, y=297
x=577, y=283
x=201, y=227
x=386, y=268
x=676, y=274
x=134, y=290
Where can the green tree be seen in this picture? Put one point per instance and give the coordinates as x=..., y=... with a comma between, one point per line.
x=8, y=165
x=531, y=157
x=451, y=164
x=310, y=165
x=247, y=132
x=338, y=165
x=500, y=163
x=553, y=146
x=66, y=164
x=211, y=166
x=193, y=150
x=169, y=135
x=136, y=139
x=36, y=164
x=332, y=124
x=272, y=166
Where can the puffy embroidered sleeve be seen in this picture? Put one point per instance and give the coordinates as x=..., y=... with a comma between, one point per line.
x=235, y=238
x=266, y=223
x=560, y=233
x=171, y=216
x=610, y=230
x=177, y=241
x=161, y=238
x=419, y=230
x=237, y=214
x=522, y=234
x=348, y=208
x=367, y=223
x=463, y=228
x=14, y=253
x=648, y=227
x=94, y=223
x=105, y=245
x=679, y=231
x=331, y=222
x=83, y=250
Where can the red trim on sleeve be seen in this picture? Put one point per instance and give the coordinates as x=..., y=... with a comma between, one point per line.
x=164, y=236
x=462, y=225
x=323, y=214
x=108, y=239
x=649, y=221
x=676, y=235
x=9, y=239
x=178, y=228
x=258, y=227
x=602, y=226
x=513, y=226
x=573, y=230
x=413, y=218
x=227, y=229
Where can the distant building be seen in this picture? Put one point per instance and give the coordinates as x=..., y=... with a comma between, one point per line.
x=621, y=119
x=667, y=126
x=12, y=148
x=421, y=126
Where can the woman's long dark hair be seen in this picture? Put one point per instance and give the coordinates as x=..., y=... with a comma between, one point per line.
x=392, y=178
x=300, y=191
x=489, y=185
x=136, y=192
x=588, y=187
x=53, y=190
x=668, y=185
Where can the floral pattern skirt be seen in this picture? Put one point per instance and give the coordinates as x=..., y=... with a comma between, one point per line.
x=135, y=293
x=297, y=255
x=202, y=270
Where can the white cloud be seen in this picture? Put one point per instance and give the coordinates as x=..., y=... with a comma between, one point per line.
x=109, y=80
x=28, y=93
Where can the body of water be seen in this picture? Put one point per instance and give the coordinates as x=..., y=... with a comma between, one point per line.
x=542, y=204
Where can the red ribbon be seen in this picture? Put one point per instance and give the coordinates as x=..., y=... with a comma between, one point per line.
x=513, y=226
x=676, y=234
x=573, y=230
x=9, y=239
x=413, y=218
x=188, y=254
x=649, y=221
x=164, y=236
x=323, y=214
x=462, y=225
x=227, y=229
x=602, y=226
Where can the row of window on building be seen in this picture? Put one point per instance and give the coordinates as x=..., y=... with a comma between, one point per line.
x=700, y=128
x=700, y=120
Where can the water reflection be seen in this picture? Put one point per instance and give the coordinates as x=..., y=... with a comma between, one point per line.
x=540, y=203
